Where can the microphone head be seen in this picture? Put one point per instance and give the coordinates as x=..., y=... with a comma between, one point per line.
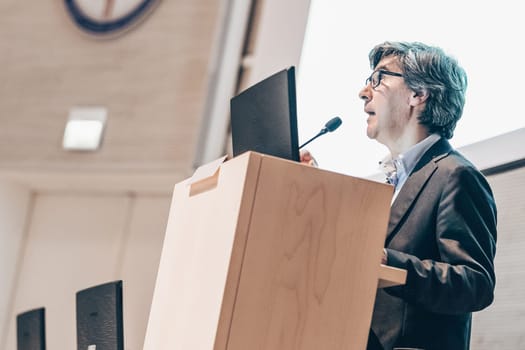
x=333, y=124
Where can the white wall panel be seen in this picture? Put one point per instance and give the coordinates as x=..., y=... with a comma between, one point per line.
x=73, y=242
x=139, y=264
x=14, y=206
x=502, y=325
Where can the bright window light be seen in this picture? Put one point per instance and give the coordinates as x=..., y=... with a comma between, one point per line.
x=334, y=66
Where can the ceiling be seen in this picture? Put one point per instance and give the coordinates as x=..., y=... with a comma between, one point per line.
x=152, y=80
x=165, y=83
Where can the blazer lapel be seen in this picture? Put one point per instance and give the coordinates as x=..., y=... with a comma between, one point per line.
x=423, y=171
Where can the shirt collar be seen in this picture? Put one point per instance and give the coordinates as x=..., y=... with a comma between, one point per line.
x=412, y=156
x=404, y=163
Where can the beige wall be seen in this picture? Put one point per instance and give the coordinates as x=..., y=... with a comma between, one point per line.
x=15, y=206
x=502, y=326
x=71, y=220
x=78, y=241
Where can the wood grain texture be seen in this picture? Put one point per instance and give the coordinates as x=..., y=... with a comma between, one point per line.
x=311, y=261
x=391, y=276
x=194, y=263
x=278, y=256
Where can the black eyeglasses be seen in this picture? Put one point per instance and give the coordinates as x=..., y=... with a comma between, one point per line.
x=375, y=78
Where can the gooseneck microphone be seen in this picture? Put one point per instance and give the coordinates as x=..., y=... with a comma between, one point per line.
x=330, y=126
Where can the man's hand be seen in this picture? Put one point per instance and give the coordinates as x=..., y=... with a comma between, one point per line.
x=384, y=257
x=307, y=158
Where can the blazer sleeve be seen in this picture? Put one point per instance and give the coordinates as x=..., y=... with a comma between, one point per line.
x=462, y=279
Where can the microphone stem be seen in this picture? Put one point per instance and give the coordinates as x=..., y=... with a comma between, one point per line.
x=322, y=132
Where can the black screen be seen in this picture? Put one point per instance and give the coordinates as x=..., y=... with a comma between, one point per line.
x=31, y=330
x=264, y=117
x=99, y=317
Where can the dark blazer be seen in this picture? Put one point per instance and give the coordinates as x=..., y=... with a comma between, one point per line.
x=442, y=230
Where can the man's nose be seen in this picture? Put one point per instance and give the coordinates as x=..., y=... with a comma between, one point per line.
x=364, y=94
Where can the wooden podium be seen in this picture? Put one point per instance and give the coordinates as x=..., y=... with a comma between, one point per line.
x=268, y=254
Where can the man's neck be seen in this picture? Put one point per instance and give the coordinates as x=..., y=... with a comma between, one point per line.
x=406, y=140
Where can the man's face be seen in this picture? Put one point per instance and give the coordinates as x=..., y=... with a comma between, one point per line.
x=388, y=104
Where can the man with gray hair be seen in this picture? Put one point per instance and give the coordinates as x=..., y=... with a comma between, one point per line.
x=442, y=226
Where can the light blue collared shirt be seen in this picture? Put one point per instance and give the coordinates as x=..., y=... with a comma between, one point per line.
x=406, y=162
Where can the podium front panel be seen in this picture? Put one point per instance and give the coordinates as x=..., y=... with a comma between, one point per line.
x=196, y=256
x=311, y=262
x=269, y=254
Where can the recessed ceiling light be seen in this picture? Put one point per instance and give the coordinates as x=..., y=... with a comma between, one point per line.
x=84, y=128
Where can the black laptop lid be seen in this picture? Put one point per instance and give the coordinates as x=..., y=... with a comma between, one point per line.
x=31, y=330
x=264, y=117
x=99, y=317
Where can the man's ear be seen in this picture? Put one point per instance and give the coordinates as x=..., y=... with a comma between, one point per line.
x=418, y=97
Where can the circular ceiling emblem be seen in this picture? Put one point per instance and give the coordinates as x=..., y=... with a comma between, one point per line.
x=108, y=17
